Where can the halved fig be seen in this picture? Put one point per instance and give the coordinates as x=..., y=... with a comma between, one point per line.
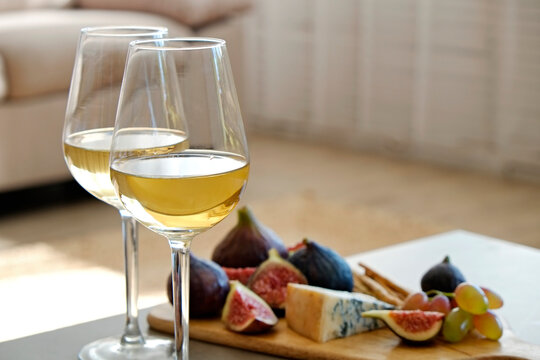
x=271, y=278
x=245, y=311
x=410, y=325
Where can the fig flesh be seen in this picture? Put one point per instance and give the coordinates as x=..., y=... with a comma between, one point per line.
x=209, y=286
x=240, y=274
x=410, y=325
x=444, y=277
x=322, y=266
x=245, y=311
x=247, y=244
x=271, y=278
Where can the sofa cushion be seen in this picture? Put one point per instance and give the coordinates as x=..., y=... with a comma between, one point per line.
x=33, y=4
x=194, y=13
x=38, y=46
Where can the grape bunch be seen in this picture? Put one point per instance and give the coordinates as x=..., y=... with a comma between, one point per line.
x=468, y=307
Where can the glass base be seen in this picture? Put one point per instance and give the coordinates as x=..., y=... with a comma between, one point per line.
x=154, y=348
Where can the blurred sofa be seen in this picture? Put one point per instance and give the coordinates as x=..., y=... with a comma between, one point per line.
x=38, y=40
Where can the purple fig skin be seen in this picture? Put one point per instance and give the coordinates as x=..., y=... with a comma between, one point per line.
x=209, y=286
x=248, y=243
x=322, y=266
x=443, y=276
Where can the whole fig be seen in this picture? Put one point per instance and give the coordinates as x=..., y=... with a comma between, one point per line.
x=209, y=286
x=443, y=277
x=248, y=243
x=322, y=266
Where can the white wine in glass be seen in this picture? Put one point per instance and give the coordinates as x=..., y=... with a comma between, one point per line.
x=88, y=129
x=87, y=155
x=211, y=183
x=179, y=86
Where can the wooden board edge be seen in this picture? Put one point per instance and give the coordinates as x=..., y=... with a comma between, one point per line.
x=212, y=331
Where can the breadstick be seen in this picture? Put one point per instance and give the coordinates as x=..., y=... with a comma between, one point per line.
x=359, y=285
x=379, y=291
x=387, y=283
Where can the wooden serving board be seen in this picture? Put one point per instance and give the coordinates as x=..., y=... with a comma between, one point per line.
x=374, y=345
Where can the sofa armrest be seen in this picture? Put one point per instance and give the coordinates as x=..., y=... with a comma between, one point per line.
x=193, y=13
x=38, y=46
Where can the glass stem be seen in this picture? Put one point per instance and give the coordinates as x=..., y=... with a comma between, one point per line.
x=132, y=332
x=180, y=265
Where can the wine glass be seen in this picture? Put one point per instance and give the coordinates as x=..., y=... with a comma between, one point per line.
x=90, y=115
x=179, y=157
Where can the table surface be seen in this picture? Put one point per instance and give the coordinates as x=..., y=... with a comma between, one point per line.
x=510, y=269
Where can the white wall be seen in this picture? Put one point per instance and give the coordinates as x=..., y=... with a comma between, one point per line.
x=452, y=81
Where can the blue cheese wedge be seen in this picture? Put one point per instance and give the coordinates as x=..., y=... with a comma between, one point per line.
x=323, y=314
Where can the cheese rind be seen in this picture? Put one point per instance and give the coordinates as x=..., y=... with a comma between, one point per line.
x=323, y=314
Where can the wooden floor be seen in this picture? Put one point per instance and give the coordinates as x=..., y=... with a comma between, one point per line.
x=72, y=254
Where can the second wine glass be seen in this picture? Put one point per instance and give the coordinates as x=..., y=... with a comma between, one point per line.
x=179, y=157
x=90, y=116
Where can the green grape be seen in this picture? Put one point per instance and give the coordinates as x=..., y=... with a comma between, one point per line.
x=456, y=325
x=489, y=325
x=471, y=298
x=495, y=301
x=416, y=301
